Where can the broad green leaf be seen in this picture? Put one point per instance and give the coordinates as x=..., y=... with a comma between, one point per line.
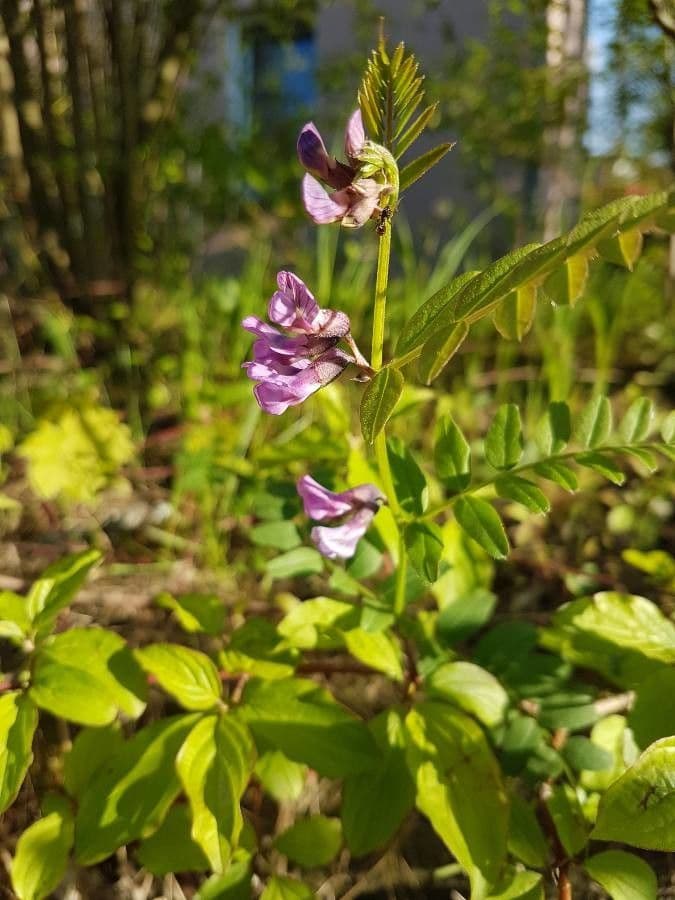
x=56, y=587
x=196, y=612
x=526, y=840
x=279, y=535
x=653, y=713
x=624, y=249
x=470, y=687
x=311, y=842
x=440, y=349
x=624, y=637
x=280, y=776
x=615, y=738
x=668, y=428
x=554, y=430
x=464, y=614
x=452, y=456
x=89, y=676
x=42, y=852
x=514, y=316
x=565, y=286
x=459, y=788
x=568, y=818
x=379, y=399
x=639, y=808
x=519, y=885
x=281, y=888
x=376, y=649
x=214, y=765
x=424, y=546
x=602, y=464
x=14, y=619
x=636, y=423
x=409, y=481
x=481, y=522
x=301, y=561
x=375, y=803
x=520, y=490
x=504, y=440
x=129, y=796
x=235, y=884
x=595, y=422
x=318, y=622
x=304, y=722
x=422, y=325
x=171, y=848
x=420, y=166
x=188, y=675
x=583, y=754
x=91, y=748
x=623, y=875
x=557, y=472
x=18, y=720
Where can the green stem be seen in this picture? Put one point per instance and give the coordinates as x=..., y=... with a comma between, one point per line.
x=381, y=282
x=401, y=573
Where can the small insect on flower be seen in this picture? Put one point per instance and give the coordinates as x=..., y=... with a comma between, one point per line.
x=355, y=199
x=355, y=507
x=293, y=363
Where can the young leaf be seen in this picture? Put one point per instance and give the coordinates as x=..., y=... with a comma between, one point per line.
x=639, y=808
x=520, y=490
x=305, y=723
x=376, y=649
x=565, y=286
x=88, y=676
x=480, y=521
x=420, y=166
x=18, y=720
x=415, y=129
x=281, y=888
x=595, y=422
x=409, y=481
x=504, y=440
x=459, y=787
x=636, y=423
x=14, y=620
x=424, y=546
x=171, y=848
x=471, y=688
x=56, y=587
x=559, y=473
x=452, y=456
x=514, y=316
x=624, y=249
x=42, y=851
x=214, y=765
x=380, y=397
x=554, y=430
x=187, y=674
x=132, y=793
x=623, y=875
x=375, y=803
x=439, y=350
x=311, y=842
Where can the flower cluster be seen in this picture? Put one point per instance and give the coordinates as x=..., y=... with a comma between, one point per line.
x=355, y=508
x=292, y=364
x=355, y=199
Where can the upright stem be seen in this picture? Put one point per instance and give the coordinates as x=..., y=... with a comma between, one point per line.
x=381, y=281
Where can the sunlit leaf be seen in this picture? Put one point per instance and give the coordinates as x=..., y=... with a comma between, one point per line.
x=379, y=400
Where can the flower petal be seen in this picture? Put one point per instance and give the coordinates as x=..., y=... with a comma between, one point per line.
x=364, y=198
x=293, y=305
x=321, y=206
x=355, y=135
x=312, y=151
x=320, y=503
x=340, y=542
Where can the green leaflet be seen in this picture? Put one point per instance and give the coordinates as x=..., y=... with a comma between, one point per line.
x=623, y=875
x=379, y=399
x=18, y=720
x=504, y=440
x=188, y=675
x=480, y=521
x=42, y=852
x=311, y=842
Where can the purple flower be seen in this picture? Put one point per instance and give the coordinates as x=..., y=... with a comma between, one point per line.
x=292, y=364
x=356, y=507
x=353, y=200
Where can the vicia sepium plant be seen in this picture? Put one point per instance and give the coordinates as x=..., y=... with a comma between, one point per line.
x=538, y=747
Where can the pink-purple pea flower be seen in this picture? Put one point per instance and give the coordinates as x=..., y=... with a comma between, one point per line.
x=353, y=200
x=293, y=363
x=355, y=507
